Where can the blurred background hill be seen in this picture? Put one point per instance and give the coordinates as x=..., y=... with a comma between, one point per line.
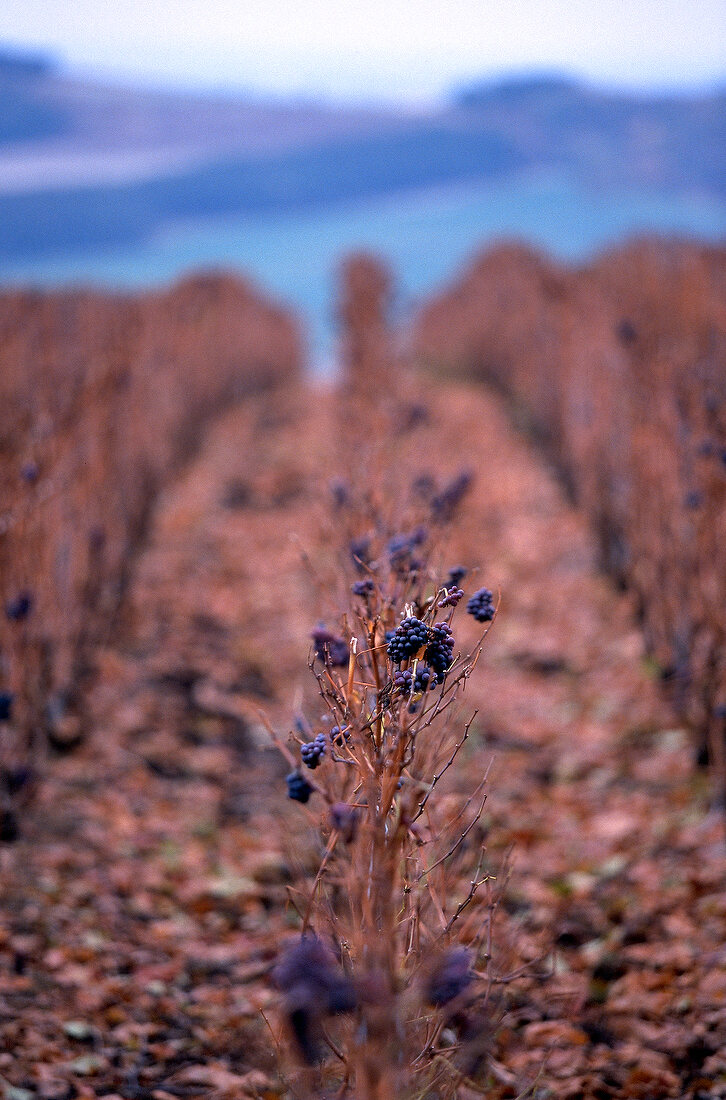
x=129, y=185
x=212, y=152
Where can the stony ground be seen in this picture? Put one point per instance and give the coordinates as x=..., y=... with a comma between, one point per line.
x=144, y=903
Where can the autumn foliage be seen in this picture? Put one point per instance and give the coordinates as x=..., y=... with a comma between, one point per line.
x=620, y=369
x=270, y=869
x=101, y=399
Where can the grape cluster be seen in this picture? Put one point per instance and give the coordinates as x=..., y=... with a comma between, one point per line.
x=312, y=752
x=456, y=576
x=409, y=636
x=481, y=606
x=9, y=827
x=6, y=705
x=424, y=679
x=413, y=415
x=445, y=503
x=298, y=788
x=313, y=986
x=626, y=332
x=360, y=552
x=450, y=597
x=13, y=779
x=327, y=644
x=423, y=486
x=401, y=549
x=30, y=472
x=339, y=736
x=440, y=650
x=450, y=976
x=340, y=493
x=404, y=682
x=19, y=607
x=363, y=588
x=345, y=819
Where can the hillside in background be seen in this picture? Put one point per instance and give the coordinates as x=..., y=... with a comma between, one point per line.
x=604, y=136
x=85, y=165
x=29, y=112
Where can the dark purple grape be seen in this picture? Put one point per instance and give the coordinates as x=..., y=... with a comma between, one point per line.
x=345, y=819
x=6, y=705
x=360, y=552
x=423, y=486
x=451, y=597
x=440, y=650
x=456, y=576
x=407, y=640
x=446, y=502
x=30, y=472
x=9, y=827
x=312, y=752
x=17, y=777
x=298, y=787
x=330, y=646
x=400, y=549
x=450, y=977
x=340, y=493
x=424, y=679
x=19, y=607
x=481, y=606
x=338, y=736
x=403, y=681
x=313, y=986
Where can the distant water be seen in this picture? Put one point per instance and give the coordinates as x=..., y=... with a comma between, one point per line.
x=425, y=235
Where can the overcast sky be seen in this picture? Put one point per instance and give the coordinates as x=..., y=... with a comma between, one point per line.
x=376, y=48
